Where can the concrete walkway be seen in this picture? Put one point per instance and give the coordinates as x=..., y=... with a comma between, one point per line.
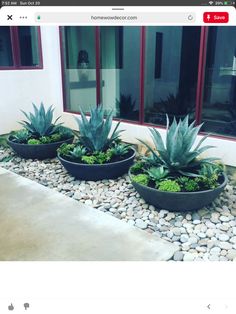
x=39, y=224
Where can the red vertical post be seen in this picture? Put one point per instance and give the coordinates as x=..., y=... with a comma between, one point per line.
x=142, y=73
x=98, y=65
x=201, y=72
x=63, y=72
x=15, y=46
x=40, y=48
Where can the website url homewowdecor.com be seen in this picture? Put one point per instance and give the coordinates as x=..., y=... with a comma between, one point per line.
x=114, y=17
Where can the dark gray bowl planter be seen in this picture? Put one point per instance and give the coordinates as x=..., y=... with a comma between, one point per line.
x=98, y=172
x=41, y=151
x=179, y=201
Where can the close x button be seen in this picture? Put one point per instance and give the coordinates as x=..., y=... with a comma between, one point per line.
x=216, y=17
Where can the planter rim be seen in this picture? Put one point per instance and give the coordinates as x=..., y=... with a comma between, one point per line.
x=100, y=165
x=38, y=145
x=184, y=193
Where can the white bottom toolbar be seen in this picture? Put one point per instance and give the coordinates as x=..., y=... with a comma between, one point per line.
x=117, y=306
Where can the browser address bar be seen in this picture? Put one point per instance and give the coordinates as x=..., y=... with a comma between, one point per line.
x=115, y=18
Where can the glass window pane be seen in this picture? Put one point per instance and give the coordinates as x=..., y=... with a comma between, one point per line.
x=79, y=67
x=219, y=103
x=112, y=47
x=120, y=72
x=28, y=41
x=6, y=58
x=171, y=68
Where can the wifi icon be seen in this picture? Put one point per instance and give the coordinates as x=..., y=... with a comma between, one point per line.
x=211, y=2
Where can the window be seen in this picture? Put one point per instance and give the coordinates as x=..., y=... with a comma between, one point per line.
x=219, y=102
x=79, y=67
x=20, y=48
x=101, y=65
x=144, y=73
x=6, y=58
x=171, y=68
x=120, y=70
x=112, y=39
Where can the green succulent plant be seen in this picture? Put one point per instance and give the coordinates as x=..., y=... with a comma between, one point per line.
x=183, y=180
x=169, y=186
x=187, y=184
x=20, y=136
x=40, y=122
x=65, y=149
x=157, y=173
x=64, y=132
x=141, y=179
x=103, y=157
x=45, y=139
x=209, y=175
x=94, y=132
x=120, y=149
x=137, y=167
x=192, y=185
x=56, y=137
x=78, y=152
x=33, y=141
x=3, y=141
x=177, y=154
x=89, y=159
x=206, y=183
x=209, y=171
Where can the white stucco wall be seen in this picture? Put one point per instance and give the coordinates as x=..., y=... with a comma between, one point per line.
x=18, y=89
x=224, y=148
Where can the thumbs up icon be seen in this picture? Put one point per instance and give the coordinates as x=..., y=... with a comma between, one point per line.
x=11, y=307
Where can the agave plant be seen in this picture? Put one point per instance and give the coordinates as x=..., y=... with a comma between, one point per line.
x=78, y=152
x=40, y=122
x=157, y=174
x=178, y=153
x=120, y=149
x=94, y=132
x=20, y=136
x=209, y=170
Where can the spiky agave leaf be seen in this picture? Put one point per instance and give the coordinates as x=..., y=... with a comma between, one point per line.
x=178, y=153
x=40, y=122
x=94, y=132
x=78, y=152
x=154, y=159
x=120, y=149
x=157, y=173
x=20, y=136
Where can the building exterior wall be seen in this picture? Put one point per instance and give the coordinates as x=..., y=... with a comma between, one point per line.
x=224, y=148
x=19, y=88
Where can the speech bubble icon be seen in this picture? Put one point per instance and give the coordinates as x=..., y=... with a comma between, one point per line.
x=26, y=306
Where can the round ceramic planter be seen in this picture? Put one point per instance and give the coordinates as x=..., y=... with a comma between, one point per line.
x=40, y=151
x=98, y=172
x=179, y=201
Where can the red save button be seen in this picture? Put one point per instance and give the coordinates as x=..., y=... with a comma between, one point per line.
x=216, y=17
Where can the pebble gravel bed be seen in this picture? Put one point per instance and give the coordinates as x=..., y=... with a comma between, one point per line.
x=208, y=234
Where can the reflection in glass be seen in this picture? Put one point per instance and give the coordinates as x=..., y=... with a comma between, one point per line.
x=5, y=47
x=219, y=102
x=29, y=50
x=120, y=70
x=79, y=67
x=171, y=68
